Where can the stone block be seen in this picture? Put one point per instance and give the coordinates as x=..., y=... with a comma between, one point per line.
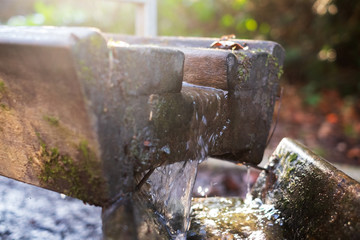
x=251, y=79
x=315, y=199
x=65, y=108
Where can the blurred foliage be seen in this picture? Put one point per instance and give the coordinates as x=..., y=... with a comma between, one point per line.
x=320, y=36
x=109, y=16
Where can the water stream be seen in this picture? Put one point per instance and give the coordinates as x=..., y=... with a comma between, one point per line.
x=168, y=189
x=235, y=217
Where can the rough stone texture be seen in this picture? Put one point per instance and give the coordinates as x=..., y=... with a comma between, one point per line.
x=316, y=200
x=251, y=79
x=195, y=42
x=88, y=119
x=46, y=128
x=64, y=109
x=148, y=70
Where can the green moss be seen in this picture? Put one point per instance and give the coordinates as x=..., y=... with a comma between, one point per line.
x=245, y=66
x=293, y=157
x=80, y=179
x=239, y=55
x=308, y=199
x=51, y=120
x=85, y=71
x=97, y=41
x=4, y=107
x=273, y=63
x=2, y=92
x=280, y=72
x=84, y=149
x=2, y=86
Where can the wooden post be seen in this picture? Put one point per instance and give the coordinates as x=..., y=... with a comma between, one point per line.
x=146, y=17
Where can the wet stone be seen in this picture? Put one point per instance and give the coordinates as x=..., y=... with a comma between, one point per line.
x=315, y=198
x=251, y=78
x=231, y=218
x=145, y=70
x=89, y=119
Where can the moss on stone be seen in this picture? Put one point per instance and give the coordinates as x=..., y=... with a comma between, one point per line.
x=80, y=179
x=2, y=86
x=4, y=107
x=315, y=199
x=273, y=64
x=85, y=72
x=3, y=91
x=51, y=120
x=97, y=41
x=293, y=157
x=245, y=66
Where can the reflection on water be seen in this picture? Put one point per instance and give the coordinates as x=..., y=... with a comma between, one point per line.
x=232, y=218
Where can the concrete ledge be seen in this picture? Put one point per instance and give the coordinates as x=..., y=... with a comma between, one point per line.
x=315, y=199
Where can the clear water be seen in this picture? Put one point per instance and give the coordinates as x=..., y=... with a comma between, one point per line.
x=170, y=191
x=169, y=187
x=234, y=218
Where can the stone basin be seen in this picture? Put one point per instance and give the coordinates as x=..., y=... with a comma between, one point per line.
x=123, y=126
x=301, y=197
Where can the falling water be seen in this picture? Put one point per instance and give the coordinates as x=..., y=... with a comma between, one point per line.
x=168, y=190
x=235, y=218
x=248, y=197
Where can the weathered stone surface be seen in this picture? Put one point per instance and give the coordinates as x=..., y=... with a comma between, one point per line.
x=47, y=132
x=251, y=78
x=147, y=70
x=196, y=42
x=65, y=109
x=316, y=200
x=87, y=119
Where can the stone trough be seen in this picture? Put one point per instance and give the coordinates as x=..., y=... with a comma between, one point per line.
x=122, y=122
x=302, y=196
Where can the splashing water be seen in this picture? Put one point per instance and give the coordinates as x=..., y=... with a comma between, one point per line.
x=235, y=218
x=169, y=188
x=232, y=218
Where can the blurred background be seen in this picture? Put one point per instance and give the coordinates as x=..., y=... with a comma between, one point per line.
x=320, y=102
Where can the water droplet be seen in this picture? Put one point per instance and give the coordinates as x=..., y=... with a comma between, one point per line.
x=248, y=180
x=165, y=149
x=203, y=119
